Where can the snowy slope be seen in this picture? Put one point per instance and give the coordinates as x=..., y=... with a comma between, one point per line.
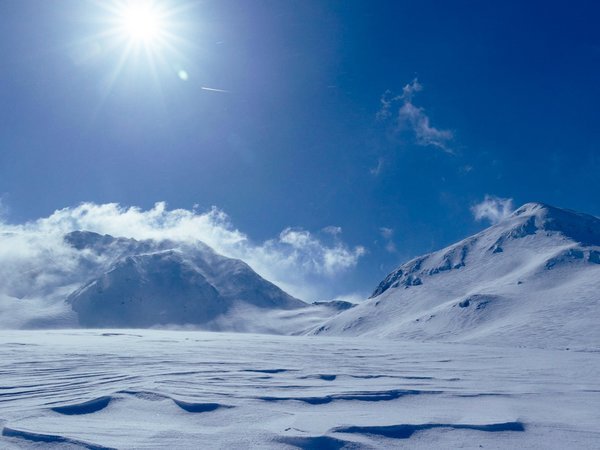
x=163, y=283
x=531, y=280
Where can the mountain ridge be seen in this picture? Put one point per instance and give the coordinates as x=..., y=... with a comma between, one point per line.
x=528, y=219
x=151, y=283
x=524, y=269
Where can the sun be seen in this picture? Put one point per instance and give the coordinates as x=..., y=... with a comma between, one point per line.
x=141, y=40
x=142, y=22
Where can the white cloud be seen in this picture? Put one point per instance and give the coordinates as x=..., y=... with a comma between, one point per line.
x=411, y=89
x=298, y=249
x=494, y=209
x=387, y=234
x=425, y=134
x=414, y=118
x=332, y=230
x=33, y=255
x=386, y=104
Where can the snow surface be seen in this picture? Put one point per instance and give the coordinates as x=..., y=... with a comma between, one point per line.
x=151, y=389
x=531, y=280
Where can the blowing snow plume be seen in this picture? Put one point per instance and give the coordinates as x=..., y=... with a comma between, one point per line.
x=42, y=263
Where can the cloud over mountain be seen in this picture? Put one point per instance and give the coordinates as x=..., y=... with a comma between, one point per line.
x=494, y=209
x=290, y=259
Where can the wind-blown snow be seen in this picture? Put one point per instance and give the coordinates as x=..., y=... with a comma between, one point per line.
x=103, y=281
x=167, y=283
x=531, y=280
x=302, y=263
x=172, y=389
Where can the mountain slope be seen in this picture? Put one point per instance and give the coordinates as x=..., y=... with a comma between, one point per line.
x=531, y=280
x=148, y=283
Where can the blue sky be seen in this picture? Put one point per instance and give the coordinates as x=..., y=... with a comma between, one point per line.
x=368, y=127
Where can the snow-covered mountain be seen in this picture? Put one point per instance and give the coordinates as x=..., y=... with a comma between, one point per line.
x=531, y=280
x=86, y=279
x=159, y=283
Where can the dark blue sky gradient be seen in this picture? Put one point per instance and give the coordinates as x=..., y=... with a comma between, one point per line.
x=294, y=140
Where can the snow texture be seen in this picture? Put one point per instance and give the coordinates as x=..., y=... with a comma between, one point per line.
x=147, y=389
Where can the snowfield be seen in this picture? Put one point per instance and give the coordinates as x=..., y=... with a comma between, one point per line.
x=149, y=389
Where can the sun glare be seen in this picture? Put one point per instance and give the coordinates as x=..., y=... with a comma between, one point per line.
x=143, y=37
x=142, y=22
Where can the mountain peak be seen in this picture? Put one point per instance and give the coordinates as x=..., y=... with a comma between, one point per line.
x=543, y=223
x=148, y=282
x=580, y=227
x=532, y=208
x=531, y=279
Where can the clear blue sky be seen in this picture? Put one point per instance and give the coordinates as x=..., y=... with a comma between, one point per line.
x=500, y=98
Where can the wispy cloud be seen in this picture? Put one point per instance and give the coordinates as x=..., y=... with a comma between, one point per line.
x=413, y=118
x=388, y=234
x=34, y=260
x=494, y=209
x=425, y=133
x=332, y=230
x=375, y=171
